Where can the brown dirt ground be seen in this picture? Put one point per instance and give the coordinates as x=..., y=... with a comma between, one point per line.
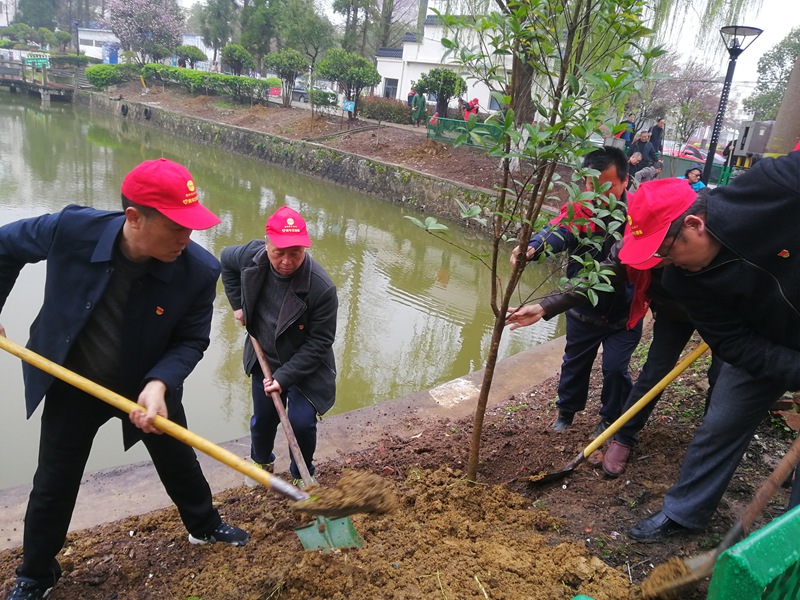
x=449, y=539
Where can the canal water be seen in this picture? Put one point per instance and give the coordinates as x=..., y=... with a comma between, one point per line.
x=413, y=313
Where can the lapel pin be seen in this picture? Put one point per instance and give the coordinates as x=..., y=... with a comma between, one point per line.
x=159, y=311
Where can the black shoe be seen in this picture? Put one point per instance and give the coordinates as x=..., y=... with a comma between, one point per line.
x=601, y=427
x=655, y=528
x=29, y=589
x=563, y=421
x=225, y=533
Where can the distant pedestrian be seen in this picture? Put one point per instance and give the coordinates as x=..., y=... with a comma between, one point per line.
x=649, y=173
x=641, y=143
x=418, y=109
x=693, y=176
x=630, y=128
x=411, y=97
x=657, y=136
x=470, y=108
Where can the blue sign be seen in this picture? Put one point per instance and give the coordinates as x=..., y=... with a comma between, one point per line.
x=349, y=105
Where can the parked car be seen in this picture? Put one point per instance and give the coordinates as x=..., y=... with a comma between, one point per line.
x=693, y=153
x=299, y=94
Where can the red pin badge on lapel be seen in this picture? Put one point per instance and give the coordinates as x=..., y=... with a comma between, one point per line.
x=159, y=311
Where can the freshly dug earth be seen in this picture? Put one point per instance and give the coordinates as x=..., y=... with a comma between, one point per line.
x=448, y=539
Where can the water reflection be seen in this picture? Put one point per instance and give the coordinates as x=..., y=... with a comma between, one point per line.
x=413, y=310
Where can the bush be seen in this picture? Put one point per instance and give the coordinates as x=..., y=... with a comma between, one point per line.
x=102, y=76
x=274, y=82
x=6, y=44
x=384, y=109
x=71, y=60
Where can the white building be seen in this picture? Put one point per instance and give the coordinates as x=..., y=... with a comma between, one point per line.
x=400, y=67
x=103, y=44
x=8, y=8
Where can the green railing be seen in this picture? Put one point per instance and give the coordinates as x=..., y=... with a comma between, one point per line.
x=447, y=130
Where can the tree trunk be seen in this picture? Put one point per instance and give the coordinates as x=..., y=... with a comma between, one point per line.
x=387, y=8
x=786, y=130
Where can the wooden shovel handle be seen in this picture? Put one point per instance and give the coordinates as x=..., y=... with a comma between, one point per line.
x=294, y=447
x=170, y=428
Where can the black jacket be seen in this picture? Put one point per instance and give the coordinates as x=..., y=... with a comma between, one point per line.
x=746, y=303
x=647, y=151
x=306, y=324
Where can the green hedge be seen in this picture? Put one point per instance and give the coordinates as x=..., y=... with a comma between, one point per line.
x=243, y=89
x=71, y=60
x=384, y=109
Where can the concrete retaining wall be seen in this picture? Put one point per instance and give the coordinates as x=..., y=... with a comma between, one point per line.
x=429, y=194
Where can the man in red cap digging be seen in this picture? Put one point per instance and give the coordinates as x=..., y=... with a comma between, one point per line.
x=733, y=259
x=288, y=303
x=128, y=304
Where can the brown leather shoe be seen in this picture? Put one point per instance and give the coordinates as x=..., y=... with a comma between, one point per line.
x=616, y=459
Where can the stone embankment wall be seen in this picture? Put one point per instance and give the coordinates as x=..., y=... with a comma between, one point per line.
x=429, y=194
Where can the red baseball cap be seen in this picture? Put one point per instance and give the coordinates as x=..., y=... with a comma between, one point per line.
x=651, y=210
x=169, y=188
x=287, y=228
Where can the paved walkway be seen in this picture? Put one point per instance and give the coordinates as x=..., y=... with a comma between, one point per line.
x=113, y=494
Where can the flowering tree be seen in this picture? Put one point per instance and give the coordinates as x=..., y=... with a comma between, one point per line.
x=150, y=28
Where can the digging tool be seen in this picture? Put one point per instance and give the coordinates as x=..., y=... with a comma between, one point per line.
x=617, y=425
x=676, y=576
x=303, y=500
x=324, y=534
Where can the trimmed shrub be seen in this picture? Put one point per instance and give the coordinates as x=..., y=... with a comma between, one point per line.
x=72, y=60
x=102, y=76
x=384, y=109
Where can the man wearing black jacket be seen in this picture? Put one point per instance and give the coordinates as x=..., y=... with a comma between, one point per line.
x=734, y=261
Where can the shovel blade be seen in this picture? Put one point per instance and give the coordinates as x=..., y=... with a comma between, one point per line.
x=326, y=534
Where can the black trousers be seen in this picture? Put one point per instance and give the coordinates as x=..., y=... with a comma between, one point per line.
x=669, y=339
x=70, y=422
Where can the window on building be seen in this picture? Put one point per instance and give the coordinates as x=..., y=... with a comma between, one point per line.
x=493, y=103
x=84, y=42
x=390, y=88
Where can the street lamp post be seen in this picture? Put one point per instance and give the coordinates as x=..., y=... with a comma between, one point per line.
x=734, y=37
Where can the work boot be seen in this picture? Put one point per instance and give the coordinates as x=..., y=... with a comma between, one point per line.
x=28, y=589
x=227, y=534
x=655, y=528
x=616, y=459
x=563, y=421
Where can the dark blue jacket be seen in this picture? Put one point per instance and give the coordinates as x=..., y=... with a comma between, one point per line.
x=306, y=326
x=168, y=317
x=746, y=302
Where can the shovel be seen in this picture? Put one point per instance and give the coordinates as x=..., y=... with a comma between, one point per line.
x=303, y=501
x=617, y=425
x=676, y=576
x=324, y=534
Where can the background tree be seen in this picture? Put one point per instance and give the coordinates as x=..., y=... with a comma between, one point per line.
x=63, y=39
x=237, y=58
x=299, y=26
x=258, y=29
x=287, y=64
x=445, y=83
x=658, y=94
x=36, y=13
x=774, y=68
x=147, y=27
x=191, y=54
x=216, y=24
x=697, y=89
x=352, y=72
x=584, y=55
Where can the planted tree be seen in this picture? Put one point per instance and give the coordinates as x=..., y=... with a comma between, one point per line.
x=287, y=64
x=216, y=24
x=584, y=55
x=697, y=93
x=191, y=54
x=352, y=72
x=237, y=58
x=147, y=27
x=446, y=84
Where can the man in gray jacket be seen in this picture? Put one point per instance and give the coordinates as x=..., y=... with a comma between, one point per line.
x=289, y=304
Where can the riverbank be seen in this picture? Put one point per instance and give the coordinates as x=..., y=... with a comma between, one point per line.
x=112, y=494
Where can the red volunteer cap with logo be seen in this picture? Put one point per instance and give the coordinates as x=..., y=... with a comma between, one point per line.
x=169, y=188
x=286, y=228
x=651, y=210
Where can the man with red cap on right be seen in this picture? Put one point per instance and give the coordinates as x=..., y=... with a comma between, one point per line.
x=732, y=258
x=287, y=302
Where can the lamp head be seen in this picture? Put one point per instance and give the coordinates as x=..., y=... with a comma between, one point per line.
x=737, y=38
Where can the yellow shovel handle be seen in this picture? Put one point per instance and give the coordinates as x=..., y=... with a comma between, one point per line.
x=657, y=389
x=162, y=424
